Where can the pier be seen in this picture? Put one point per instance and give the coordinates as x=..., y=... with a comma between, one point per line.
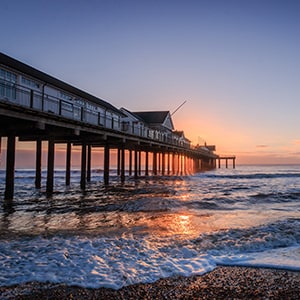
x=226, y=158
x=36, y=107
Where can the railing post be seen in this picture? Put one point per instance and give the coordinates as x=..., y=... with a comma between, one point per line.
x=31, y=98
x=99, y=118
x=60, y=107
x=81, y=114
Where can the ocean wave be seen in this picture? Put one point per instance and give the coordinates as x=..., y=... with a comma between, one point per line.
x=284, y=233
x=115, y=262
x=253, y=176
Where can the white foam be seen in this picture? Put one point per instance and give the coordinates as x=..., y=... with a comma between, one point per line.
x=95, y=262
x=113, y=263
x=284, y=258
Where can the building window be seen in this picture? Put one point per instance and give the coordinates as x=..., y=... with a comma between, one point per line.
x=8, y=82
x=30, y=83
x=66, y=96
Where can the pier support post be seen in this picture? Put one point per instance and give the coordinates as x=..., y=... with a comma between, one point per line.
x=146, y=163
x=106, y=164
x=83, y=167
x=89, y=163
x=226, y=161
x=182, y=164
x=118, y=161
x=50, y=167
x=173, y=164
x=68, y=163
x=10, y=167
x=130, y=162
x=168, y=163
x=122, y=163
x=163, y=163
x=135, y=163
x=233, y=163
x=154, y=167
x=140, y=162
x=38, y=164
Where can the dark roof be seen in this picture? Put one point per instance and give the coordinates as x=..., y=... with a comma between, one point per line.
x=26, y=69
x=133, y=114
x=179, y=133
x=152, y=117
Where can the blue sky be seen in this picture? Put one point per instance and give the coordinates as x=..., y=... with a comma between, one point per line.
x=235, y=62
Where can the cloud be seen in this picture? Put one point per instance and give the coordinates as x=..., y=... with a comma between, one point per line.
x=296, y=142
x=262, y=146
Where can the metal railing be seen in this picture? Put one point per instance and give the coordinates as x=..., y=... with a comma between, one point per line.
x=39, y=101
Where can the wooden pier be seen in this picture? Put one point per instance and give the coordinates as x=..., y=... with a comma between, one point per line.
x=226, y=158
x=39, y=108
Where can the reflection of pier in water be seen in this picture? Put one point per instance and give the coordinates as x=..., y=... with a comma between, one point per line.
x=39, y=108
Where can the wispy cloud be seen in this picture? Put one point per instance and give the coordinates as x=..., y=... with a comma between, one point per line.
x=296, y=142
x=262, y=146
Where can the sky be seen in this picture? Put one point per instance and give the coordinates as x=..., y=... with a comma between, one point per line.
x=235, y=62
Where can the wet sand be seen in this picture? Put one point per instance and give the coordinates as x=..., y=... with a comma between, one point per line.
x=221, y=283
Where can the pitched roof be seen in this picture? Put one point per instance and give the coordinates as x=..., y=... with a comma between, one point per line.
x=127, y=112
x=152, y=117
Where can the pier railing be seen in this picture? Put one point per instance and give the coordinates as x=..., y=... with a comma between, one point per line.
x=42, y=102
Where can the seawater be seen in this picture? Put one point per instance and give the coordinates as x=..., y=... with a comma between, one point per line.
x=149, y=228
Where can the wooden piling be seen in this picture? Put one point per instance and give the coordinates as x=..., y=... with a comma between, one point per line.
x=89, y=163
x=83, y=167
x=140, y=163
x=122, y=163
x=154, y=166
x=50, y=167
x=130, y=162
x=106, y=164
x=38, y=164
x=118, y=161
x=146, y=163
x=10, y=167
x=135, y=163
x=68, y=163
x=163, y=163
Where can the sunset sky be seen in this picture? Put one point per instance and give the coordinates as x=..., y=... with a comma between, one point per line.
x=236, y=63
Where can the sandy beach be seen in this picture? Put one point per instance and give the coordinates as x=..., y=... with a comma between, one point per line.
x=222, y=283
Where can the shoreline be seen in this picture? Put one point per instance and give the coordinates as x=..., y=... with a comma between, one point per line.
x=222, y=283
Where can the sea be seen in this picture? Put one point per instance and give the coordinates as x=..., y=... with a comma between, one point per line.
x=149, y=228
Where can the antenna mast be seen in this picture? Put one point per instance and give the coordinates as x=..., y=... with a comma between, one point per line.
x=178, y=108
